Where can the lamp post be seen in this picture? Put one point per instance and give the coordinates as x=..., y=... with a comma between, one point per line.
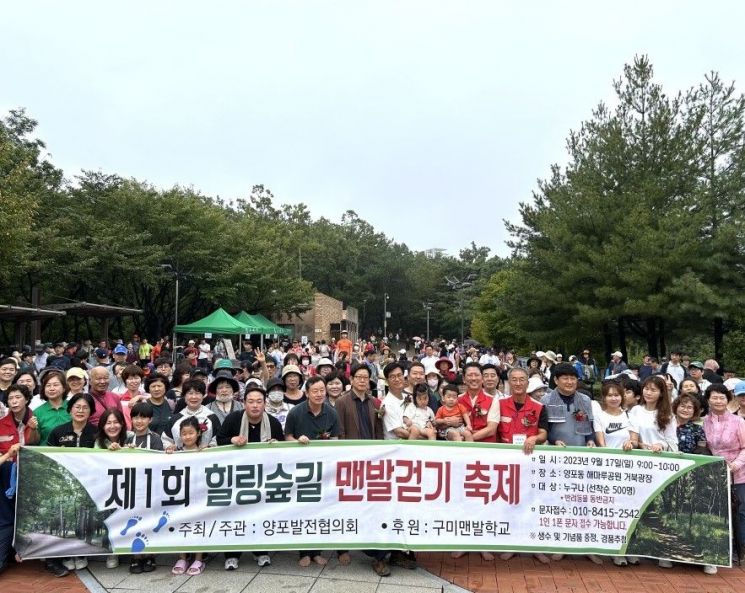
x=427, y=307
x=385, y=317
x=458, y=285
x=175, y=321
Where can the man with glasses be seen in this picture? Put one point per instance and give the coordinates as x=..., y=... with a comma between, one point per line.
x=393, y=420
x=521, y=421
x=359, y=418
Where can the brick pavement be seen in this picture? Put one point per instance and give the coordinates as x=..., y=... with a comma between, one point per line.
x=523, y=574
x=30, y=577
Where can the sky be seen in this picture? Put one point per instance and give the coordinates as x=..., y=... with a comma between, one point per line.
x=431, y=120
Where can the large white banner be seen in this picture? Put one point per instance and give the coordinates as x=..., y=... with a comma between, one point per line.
x=362, y=494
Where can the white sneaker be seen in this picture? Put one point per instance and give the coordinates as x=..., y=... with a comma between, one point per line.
x=81, y=563
x=506, y=556
x=231, y=563
x=665, y=564
x=112, y=561
x=620, y=560
x=542, y=558
x=709, y=569
x=263, y=560
x=633, y=560
x=594, y=558
x=69, y=563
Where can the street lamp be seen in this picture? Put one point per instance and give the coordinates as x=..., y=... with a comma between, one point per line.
x=174, y=271
x=427, y=307
x=385, y=317
x=458, y=285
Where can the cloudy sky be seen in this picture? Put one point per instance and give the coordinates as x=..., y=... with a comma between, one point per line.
x=432, y=120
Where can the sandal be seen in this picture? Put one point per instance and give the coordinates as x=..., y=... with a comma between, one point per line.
x=179, y=567
x=197, y=567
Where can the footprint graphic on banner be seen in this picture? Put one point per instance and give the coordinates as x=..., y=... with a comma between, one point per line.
x=139, y=543
x=130, y=524
x=161, y=522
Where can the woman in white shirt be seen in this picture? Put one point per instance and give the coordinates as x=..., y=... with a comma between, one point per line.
x=611, y=423
x=652, y=424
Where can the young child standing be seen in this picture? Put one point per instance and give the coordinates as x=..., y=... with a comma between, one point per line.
x=419, y=417
x=452, y=420
x=141, y=436
x=190, y=433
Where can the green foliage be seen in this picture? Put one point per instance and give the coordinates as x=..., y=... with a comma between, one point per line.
x=103, y=238
x=640, y=233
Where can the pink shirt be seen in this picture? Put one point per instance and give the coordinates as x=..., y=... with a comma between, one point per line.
x=725, y=436
x=103, y=402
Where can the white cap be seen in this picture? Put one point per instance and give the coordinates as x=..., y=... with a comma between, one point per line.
x=535, y=383
x=730, y=383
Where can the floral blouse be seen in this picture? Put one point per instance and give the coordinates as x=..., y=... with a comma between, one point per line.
x=689, y=434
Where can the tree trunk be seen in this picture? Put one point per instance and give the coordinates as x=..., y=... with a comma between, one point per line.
x=608, y=341
x=663, y=346
x=622, y=337
x=652, y=337
x=718, y=339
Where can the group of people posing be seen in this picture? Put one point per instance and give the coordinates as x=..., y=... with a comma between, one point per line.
x=266, y=397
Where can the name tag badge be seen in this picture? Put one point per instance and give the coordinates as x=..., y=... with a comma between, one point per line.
x=518, y=439
x=505, y=419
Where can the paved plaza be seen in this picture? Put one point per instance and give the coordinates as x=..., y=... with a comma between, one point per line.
x=438, y=573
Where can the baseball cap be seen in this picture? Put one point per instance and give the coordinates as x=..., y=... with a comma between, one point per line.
x=120, y=349
x=101, y=353
x=740, y=388
x=76, y=372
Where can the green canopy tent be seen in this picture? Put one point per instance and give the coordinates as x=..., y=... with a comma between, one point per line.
x=258, y=326
x=217, y=322
x=264, y=325
x=275, y=329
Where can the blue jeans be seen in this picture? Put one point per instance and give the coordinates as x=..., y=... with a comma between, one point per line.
x=740, y=493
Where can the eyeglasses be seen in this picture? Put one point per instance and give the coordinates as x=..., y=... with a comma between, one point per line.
x=81, y=409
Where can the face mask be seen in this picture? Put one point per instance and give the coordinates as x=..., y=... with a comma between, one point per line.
x=275, y=397
x=433, y=383
x=225, y=397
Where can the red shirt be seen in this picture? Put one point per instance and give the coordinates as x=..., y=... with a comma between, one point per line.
x=478, y=411
x=512, y=421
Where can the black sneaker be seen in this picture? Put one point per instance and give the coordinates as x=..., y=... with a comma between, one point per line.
x=136, y=566
x=149, y=564
x=55, y=567
x=403, y=560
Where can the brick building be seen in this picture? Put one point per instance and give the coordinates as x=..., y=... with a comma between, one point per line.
x=324, y=320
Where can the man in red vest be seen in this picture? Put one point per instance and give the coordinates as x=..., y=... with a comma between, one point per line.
x=522, y=420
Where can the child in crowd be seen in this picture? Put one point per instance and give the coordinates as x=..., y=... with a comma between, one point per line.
x=190, y=433
x=141, y=436
x=194, y=391
x=419, y=417
x=452, y=409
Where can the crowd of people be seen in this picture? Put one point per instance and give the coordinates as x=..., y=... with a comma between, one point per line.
x=133, y=394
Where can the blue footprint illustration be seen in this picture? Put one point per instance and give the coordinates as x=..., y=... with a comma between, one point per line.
x=139, y=543
x=130, y=524
x=161, y=522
